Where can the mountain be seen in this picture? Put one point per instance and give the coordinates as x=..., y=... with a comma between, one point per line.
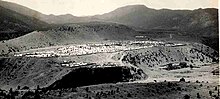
x=13, y=24
x=199, y=21
x=198, y=24
x=66, y=18
x=181, y=20
x=69, y=34
x=50, y=19
x=21, y=9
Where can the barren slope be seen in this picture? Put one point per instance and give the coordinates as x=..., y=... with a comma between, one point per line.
x=69, y=34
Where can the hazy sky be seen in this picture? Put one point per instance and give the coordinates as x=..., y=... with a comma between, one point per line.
x=92, y=7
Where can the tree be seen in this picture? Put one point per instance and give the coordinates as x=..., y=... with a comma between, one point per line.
x=38, y=87
x=18, y=87
x=11, y=94
x=216, y=88
x=191, y=66
x=198, y=96
x=210, y=93
x=37, y=95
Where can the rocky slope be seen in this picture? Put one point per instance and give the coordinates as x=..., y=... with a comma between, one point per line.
x=157, y=57
x=49, y=72
x=69, y=34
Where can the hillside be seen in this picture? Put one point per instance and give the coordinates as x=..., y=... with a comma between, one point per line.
x=27, y=71
x=13, y=24
x=159, y=90
x=161, y=57
x=21, y=9
x=69, y=34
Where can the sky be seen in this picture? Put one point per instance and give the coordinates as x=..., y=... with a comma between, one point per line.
x=93, y=7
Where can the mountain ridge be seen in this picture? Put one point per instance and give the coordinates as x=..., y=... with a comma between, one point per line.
x=198, y=23
x=13, y=24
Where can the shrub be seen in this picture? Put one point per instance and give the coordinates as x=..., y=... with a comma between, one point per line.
x=183, y=64
x=129, y=95
x=182, y=80
x=186, y=97
x=200, y=85
x=179, y=88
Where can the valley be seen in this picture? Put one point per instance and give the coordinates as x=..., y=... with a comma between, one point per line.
x=132, y=52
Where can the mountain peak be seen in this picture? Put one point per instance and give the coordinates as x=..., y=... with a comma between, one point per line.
x=138, y=7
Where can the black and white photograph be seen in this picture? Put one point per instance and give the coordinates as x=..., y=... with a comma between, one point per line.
x=109, y=49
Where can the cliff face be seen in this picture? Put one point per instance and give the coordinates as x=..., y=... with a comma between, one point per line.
x=97, y=75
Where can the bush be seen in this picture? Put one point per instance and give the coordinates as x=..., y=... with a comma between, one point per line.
x=129, y=95
x=186, y=97
x=183, y=64
x=200, y=85
x=182, y=80
x=179, y=88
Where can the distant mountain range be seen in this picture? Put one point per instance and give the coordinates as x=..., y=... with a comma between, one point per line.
x=182, y=20
x=139, y=16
